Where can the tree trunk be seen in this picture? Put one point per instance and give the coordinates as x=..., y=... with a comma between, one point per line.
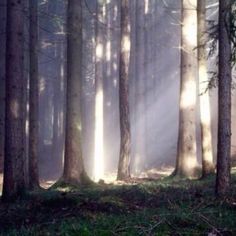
x=187, y=149
x=99, y=72
x=132, y=82
x=57, y=93
x=14, y=182
x=205, y=114
x=124, y=160
x=224, y=100
x=140, y=151
x=33, y=97
x=2, y=79
x=74, y=171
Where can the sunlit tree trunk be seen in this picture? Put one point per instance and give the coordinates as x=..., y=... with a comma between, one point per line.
x=140, y=87
x=205, y=115
x=224, y=100
x=108, y=80
x=14, y=182
x=187, y=148
x=74, y=171
x=99, y=73
x=124, y=160
x=33, y=97
x=88, y=91
x=2, y=79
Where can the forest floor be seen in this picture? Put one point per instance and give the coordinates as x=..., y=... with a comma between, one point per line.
x=168, y=206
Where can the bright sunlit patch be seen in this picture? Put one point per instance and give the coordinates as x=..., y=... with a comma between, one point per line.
x=204, y=98
x=190, y=163
x=99, y=51
x=42, y=85
x=115, y=83
x=188, y=96
x=146, y=8
x=126, y=43
x=78, y=126
x=98, y=151
x=108, y=51
x=15, y=108
x=190, y=24
x=205, y=115
x=115, y=13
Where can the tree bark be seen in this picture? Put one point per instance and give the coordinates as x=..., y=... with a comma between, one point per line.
x=33, y=97
x=2, y=79
x=205, y=115
x=74, y=171
x=124, y=160
x=14, y=182
x=224, y=100
x=187, y=148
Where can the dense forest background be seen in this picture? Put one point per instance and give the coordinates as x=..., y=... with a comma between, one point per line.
x=160, y=92
x=100, y=98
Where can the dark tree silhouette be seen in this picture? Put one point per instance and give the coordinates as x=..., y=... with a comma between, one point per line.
x=14, y=181
x=224, y=100
x=33, y=97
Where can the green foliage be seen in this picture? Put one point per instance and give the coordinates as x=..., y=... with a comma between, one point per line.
x=170, y=206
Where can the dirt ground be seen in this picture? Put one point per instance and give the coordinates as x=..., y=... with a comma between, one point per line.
x=110, y=178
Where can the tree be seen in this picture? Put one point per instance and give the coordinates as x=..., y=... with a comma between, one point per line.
x=2, y=79
x=14, y=182
x=224, y=100
x=140, y=116
x=74, y=171
x=124, y=160
x=33, y=97
x=205, y=115
x=99, y=73
x=187, y=148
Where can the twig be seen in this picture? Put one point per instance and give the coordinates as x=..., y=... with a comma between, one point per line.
x=154, y=226
x=210, y=224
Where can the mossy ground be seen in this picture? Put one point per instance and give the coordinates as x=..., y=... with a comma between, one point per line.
x=168, y=206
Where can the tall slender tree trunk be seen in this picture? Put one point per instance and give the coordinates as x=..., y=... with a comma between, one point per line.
x=146, y=79
x=57, y=93
x=205, y=114
x=107, y=84
x=187, y=147
x=2, y=79
x=74, y=171
x=140, y=87
x=14, y=181
x=33, y=97
x=132, y=82
x=26, y=94
x=124, y=160
x=99, y=104
x=224, y=100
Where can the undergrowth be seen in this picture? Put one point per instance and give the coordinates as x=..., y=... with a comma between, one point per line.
x=169, y=206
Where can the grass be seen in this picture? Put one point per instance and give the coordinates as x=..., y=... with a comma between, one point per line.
x=161, y=207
